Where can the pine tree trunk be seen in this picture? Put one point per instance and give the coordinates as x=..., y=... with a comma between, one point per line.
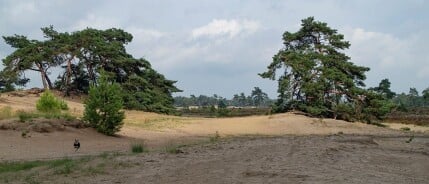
x=43, y=75
x=68, y=78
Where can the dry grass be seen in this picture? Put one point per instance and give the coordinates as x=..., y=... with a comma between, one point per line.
x=156, y=122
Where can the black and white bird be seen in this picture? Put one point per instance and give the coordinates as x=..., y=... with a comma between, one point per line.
x=76, y=145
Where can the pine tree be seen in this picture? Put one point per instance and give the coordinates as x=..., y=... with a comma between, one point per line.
x=103, y=106
x=317, y=77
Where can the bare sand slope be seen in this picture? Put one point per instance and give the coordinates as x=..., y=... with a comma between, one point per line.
x=57, y=144
x=286, y=159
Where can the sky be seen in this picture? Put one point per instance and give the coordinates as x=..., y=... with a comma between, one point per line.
x=219, y=46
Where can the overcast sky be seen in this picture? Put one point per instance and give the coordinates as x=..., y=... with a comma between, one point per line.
x=219, y=47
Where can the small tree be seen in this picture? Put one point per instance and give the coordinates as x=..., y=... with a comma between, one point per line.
x=48, y=103
x=103, y=107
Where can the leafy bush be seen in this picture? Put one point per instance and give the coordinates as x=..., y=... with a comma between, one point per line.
x=48, y=103
x=103, y=107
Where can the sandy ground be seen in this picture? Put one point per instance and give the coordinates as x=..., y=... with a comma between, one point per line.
x=285, y=159
x=158, y=130
x=298, y=149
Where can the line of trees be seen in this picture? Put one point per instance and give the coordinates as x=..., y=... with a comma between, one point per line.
x=80, y=56
x=412, y=100
x=257, y=98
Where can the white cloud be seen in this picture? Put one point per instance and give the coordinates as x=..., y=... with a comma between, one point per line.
x=400, y=59
x=423, y=72
x=230, y=28
x=385, y=49
x=96, y=22
x=19, y=11
x=22, y=7
x=144, y=35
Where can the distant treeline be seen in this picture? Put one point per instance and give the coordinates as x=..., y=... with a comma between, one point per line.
x=412, y=108
x=257, y=99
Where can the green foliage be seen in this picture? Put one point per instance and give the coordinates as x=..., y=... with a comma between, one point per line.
x=384, y=89
x=63, y=105
x=48, y=103
x=103, y=108
x=345, y=111
x=27, y=165
x=426, y=95
x=81, y=55
x=319, y=79
x=19, y=166
x=258, y=96
x=26, y=116
x=376, y=106
x=317, y=75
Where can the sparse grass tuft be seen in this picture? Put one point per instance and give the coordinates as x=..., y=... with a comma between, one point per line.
x=215, y=137
x=138, y=148
x=66, y=168
x=405, y=128
x=24, y=133
x=173, y=149
x=6, y=113
x=410, y=139
x=378, y=124
x=26, y=116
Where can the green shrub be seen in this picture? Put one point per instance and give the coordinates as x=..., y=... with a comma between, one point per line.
x=48, y=103
x=103, y=107
x=138, y=148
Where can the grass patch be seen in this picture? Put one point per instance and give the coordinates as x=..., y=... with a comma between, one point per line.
x=61, y=165
x=25, y=116
x=28, y=171
x=6, y=113
x=138, y=148
x=66, y=169
x=405, y=128
x=215, y=137
x=19, y=166
x=158, y=123
x=173, y=148
x=378, y=124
